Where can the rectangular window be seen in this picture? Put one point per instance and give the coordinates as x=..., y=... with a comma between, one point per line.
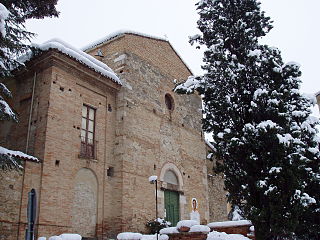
x=87, y=132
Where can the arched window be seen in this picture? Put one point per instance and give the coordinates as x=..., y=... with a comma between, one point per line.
x=170, y=177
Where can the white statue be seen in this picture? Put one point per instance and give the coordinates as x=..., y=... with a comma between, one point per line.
x=194, y=215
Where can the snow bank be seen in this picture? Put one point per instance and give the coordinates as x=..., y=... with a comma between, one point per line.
x=70, y=236
x=186, y=223
x=42, y=238
x=78, y=55
x=169, y=230
x=223, y=236
x=200, y=228
x=128, y=236
x=229, y=223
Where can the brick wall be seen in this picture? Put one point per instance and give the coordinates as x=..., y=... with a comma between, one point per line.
x=137, y=136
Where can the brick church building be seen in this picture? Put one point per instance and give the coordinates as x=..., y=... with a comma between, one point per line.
x=99, y=134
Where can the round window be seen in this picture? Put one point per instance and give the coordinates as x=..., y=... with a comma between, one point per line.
x=169, y=101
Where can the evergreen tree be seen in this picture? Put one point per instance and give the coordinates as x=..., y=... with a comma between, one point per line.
x=260, y=123
x=14, y=41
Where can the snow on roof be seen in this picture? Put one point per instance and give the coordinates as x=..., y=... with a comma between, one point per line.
x=118, y=34
x=19, y=154
x=78, y=55
x=123, y=32
x=229, y=223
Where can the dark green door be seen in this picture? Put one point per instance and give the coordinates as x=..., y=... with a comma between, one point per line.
x=171, y=204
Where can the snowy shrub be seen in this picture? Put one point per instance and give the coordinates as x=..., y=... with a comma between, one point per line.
x=156, y=225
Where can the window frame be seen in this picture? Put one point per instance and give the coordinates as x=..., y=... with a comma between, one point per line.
x=85, y=143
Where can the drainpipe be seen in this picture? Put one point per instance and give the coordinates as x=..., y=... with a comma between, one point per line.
x=31, y=108
x=27, y=146
x=104, y=167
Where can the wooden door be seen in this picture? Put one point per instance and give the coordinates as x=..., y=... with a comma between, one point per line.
x=171, y=204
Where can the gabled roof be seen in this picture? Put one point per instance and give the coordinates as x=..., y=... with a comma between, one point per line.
x=77, y=54
x=120, y=33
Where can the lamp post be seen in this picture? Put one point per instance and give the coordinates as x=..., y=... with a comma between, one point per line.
x=31, y=214
x=153, y=180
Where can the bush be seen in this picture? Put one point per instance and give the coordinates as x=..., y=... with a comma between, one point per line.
x=156, y=225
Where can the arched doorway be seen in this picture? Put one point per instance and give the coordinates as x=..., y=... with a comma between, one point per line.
x=172, y=201
x=171, y=198
x=84, y=207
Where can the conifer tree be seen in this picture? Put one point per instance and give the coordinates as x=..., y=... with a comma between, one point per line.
x=14, y=41
x=259, y=122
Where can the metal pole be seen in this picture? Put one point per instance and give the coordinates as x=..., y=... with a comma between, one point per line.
x=157, y=207
x=156, y=200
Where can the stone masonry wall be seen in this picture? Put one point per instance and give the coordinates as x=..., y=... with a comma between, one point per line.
x=151, y=136
x=217, y=195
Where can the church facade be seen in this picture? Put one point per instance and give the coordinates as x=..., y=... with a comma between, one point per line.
x=99, y=138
